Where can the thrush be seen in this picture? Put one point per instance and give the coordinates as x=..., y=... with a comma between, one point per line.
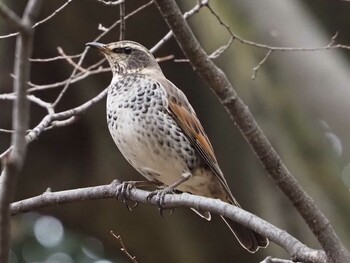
x=159, y=134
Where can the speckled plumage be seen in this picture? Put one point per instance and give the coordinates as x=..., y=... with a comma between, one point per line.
x=150, y=139
x=158, y=132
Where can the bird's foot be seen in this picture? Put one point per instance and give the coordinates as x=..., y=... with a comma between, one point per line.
x=160, y=195
x=123, y=192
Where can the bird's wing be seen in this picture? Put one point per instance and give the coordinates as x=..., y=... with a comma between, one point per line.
x=184, y=115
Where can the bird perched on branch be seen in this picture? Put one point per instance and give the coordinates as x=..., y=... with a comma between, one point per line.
x=158, y=132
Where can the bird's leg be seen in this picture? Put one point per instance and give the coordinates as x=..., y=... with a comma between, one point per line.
x=161, y=193
x=123, y=191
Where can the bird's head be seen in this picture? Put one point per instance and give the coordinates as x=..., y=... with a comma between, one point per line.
x=127, y=57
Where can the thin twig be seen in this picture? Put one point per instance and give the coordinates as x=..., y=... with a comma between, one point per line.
x=64, y=123
x=166, y=58
x=257, y=67
x=186, y=15
x=41, y=103
x=4, y=154
x=54, y=58
x=122, y=27
x=6, y=131
x=70, y=61
x=123, y=248
x=102, y=28
x=53, y=14
x=126, y=17
x=111, y=2
x=39, y=22
x=213, y=55
x=330, y=45
x=69, y=80
x=221, y=49
x=67, y=85
x=64, y=117
x=77, y=78
x=31, y=98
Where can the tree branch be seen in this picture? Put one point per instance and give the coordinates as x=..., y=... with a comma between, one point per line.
x=12, y=18
x=64, y=117
x=277, y=260
x=251, y=131
x=186, y=15
x=14, y=162
x=122, y=20
x=294, y=247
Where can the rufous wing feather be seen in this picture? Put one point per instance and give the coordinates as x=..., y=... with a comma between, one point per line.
x=184, y=115
x=182, y=112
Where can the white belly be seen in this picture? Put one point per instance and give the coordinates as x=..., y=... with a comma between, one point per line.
x=141, y=148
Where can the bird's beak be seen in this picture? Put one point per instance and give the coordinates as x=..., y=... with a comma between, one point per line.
x=101, y=47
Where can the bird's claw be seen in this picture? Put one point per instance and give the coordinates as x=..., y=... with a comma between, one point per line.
x=160, y=195
x=123, y=193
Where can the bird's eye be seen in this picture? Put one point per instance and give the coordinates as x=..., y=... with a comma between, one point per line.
x=127, y=50
x=120, y=50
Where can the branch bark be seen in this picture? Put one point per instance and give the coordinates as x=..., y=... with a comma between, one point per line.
x=14, y=162
x=251, y=131
x=294, y=247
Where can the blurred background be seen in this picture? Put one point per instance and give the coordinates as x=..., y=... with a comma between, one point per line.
x=300, y=99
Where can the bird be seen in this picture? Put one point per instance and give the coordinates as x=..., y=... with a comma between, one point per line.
x=158, y=132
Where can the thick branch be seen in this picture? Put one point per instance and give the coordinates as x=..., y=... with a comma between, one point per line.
x=249, y=128
x=14, y=161
x=293, y=246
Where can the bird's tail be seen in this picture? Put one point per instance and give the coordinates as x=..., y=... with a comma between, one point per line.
x=249, y=239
